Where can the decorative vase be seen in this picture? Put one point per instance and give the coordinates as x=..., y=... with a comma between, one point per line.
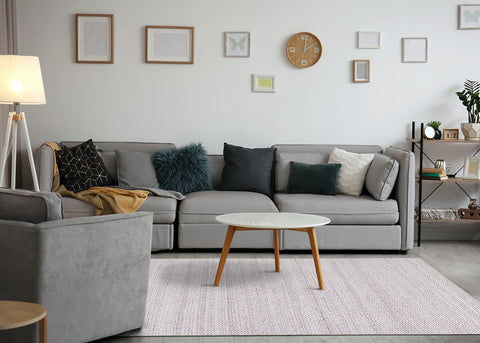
x=471, y=131
x=438, y=134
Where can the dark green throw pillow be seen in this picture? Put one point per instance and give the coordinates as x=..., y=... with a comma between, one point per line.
x=183, y=170
x=313, y=178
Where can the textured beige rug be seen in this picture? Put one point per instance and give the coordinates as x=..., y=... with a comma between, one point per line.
x=362, y=296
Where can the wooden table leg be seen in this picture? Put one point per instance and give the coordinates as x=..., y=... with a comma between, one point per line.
x=276, y=244
x=316, y=256
x=43, y=330
x=225, y=250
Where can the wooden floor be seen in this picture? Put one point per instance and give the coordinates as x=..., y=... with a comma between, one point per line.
x=458, y=261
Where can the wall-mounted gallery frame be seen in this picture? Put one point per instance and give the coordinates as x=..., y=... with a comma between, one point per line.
x=94, y=38
x=414, y=50
x=237, y=44
x=263, y=83
x=469, y=17
x=169, y=44
x=361, y=70
x=369, y=40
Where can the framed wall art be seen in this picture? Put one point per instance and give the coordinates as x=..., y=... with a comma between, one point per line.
x=263, y=83
x=450, y=134
x=415, y=50
x=471, y=168
x=368, y=40
x=94, y=38
x=469, y=17
x=361, y=70
x=237, y=44
x=169, y=44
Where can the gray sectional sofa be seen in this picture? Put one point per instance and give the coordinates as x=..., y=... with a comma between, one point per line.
x=357, y=222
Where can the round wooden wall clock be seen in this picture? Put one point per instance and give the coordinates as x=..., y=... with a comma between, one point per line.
x=304, y=49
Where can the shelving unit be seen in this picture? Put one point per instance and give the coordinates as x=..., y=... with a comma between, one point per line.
x=418, y=143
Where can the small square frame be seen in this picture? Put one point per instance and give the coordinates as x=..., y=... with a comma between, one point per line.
x=450, y=134
x=263, y=83
x=469, y=17
x=415, y=50
x=471, y=168
x=169, y=44
x=369, y=40
x=236, y=44
x=94, y=38
x=361, y=71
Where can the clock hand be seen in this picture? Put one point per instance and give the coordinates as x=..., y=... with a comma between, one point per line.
x=305, y=49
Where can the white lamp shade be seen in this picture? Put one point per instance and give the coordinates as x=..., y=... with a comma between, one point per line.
x=21, y=80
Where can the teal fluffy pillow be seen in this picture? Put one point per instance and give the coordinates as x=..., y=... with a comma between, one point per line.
x=183, y=170
x=313, y=178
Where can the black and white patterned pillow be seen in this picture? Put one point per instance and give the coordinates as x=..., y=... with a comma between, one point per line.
x=81, y=167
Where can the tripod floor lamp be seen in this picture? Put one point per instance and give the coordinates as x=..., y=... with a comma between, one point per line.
x=20, y=83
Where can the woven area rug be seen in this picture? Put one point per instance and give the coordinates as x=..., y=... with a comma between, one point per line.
x=362, y=296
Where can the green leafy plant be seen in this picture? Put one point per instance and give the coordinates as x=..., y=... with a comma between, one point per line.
x=435, y=124
x=470, y=98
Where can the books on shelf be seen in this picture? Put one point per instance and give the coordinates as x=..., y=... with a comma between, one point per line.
x=433, y=171
x=433, y=174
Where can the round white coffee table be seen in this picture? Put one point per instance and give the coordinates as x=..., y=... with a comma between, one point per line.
x=275, y=222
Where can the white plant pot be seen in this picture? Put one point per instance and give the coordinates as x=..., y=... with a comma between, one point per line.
x=471, y=131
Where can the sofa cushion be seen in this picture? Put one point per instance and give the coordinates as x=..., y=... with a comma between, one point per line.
x=381, y=176
x=248, y=169
x=282, y=165
x=341, y=209
x=351, y=177
x=203, y=207
x=29, y=206
x=313, y=178
x=135, y=169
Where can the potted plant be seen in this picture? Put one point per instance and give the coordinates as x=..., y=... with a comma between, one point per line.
x=436, y=124
x=470, y=98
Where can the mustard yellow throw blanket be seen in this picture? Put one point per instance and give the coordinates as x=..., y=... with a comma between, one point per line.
x=106, y=200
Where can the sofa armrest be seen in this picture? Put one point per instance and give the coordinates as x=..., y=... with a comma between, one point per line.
x=87, y=270
x=44, y=161
x=404, y=193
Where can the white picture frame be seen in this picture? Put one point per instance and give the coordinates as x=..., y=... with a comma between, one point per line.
x=361, y=71
x=94, y=38
x=236, y=44
x=415, y=50
x=264, y=83
x=369, y=40
x=471, y=168
x=469, y=17
x=169, y=44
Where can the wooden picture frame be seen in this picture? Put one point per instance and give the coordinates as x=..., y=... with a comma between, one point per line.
x=415, y=50
x=469, y=17
x=169, y=44
x=471, y=168
x=236, y=44
x=361, y=71
x=263, y=83
x=94, y=38
x=369, y=40
x=450, y=134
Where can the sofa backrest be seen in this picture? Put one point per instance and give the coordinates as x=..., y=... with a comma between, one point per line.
x=107, y=151
x=311, y=154
x=28, y=206
x=216, y=163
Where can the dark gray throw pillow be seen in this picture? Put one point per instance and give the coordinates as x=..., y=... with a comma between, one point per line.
x=313, y=178
x=248, y=169
x=135, y=169
x=381, y=176
x=183, y=170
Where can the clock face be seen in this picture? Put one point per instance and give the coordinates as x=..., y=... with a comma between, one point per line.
x=304, y=49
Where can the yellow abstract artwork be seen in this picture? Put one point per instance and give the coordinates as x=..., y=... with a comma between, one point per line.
x=265, y=83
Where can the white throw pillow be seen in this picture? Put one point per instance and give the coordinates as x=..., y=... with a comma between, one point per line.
x=351, y=176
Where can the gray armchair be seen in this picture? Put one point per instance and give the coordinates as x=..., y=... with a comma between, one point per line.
x=91, y=274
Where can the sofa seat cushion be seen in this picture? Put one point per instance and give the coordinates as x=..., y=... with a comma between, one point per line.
x=341, y=209
x=163, y=208
x=203, y=207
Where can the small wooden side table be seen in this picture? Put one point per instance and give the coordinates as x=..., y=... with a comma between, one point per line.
x=15, y=314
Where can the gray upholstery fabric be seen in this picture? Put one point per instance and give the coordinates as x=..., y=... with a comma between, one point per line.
x=135, y=169
x=91, y=273
x=110, y=161
x=282, y=165
x=28, y=206
x=162, y=237
x=404, y=193
x=164, y=209
x=381, y=176
x=341, y=209
x=216, y=164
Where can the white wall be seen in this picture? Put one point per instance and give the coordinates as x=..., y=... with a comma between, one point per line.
x=211, y=101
